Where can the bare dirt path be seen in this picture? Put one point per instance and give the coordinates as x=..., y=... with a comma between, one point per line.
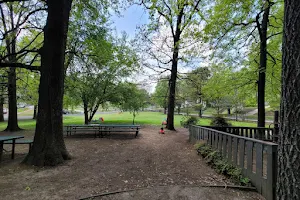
x=115, y=163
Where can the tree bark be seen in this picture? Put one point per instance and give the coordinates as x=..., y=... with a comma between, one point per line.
x=228, y=111
x=12, y=124
x=10, y=41
x=86, y=112
x=34, y=111
x=288, y=180
x=93, y=112
x=165, y=110
x=49, y=147
x=200, y=113
x=1, y=109
x=172, y=82
x=263, y=27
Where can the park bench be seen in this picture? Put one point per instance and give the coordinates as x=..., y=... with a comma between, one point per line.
x=29, y=142
x=11, y=139
x=101, y=129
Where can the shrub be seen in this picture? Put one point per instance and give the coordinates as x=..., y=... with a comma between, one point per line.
x=214, y=159
x=219, y=122
x=189, y=120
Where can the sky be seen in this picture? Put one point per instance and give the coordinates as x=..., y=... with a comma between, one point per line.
x=129, y=20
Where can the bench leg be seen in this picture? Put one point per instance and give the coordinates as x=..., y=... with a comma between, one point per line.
x=136, y=133
x=13, y=149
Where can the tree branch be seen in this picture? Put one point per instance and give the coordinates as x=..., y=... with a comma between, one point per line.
x=20, y=65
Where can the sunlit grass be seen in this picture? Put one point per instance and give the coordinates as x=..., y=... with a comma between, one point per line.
x=143, y=118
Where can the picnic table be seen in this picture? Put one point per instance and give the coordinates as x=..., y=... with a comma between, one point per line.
x=9, y=138
x=101, y=129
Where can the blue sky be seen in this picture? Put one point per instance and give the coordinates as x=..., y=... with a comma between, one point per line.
x=130, y=19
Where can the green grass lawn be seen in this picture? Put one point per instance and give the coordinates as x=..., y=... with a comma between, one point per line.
x=22, y=109
x=27, y=112
x=150, y=118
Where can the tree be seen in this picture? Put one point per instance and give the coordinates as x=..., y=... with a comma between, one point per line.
x=132, y=99
x=178, y=17
x=244, y=24
x=48, y=146
x=94, y=77
x=217, y=87
x=160, y=95
x=197, y=79
x=289, y=135
x=15, y=19
x=27, y=88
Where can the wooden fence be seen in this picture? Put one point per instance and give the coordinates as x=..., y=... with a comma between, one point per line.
x=266, y=134
x=256, y=158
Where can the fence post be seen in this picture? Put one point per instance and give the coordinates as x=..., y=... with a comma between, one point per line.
x=276, y=126
x=271, y=171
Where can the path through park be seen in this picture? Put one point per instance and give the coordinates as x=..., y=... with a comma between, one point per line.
x=166, y=165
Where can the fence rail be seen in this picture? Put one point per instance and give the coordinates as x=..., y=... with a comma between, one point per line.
x=266, y=134
x=256, y=158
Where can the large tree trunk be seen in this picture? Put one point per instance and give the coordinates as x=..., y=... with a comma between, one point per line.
x=171, y=105
x=34, y=111
x=288, y=180
x=12, y=124
x=11, y=40
x=172, y=82
x=1, y=109
x=262, y=68
x=49, y=147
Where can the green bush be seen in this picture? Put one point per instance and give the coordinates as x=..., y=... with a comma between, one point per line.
x=214, y=159
x=219, y=122
x=189, y=120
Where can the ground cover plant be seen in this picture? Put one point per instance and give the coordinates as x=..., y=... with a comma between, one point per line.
x=222, y=166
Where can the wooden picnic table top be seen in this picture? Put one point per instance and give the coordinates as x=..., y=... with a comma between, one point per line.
x=6, y=138
x=104, y=125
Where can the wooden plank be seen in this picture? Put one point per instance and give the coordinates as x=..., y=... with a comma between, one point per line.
x=224, y=144
x=242, y=153
x=220, y=143
x=229, y=149
x=235, y=151
x=259, y=166
x=209, y=137
x=271, y=171
x=249, y=146
x=199, y=133
x=214, y=139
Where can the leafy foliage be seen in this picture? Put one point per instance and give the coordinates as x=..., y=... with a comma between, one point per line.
x=219, y=122
x=132, y=99
x=189, y=120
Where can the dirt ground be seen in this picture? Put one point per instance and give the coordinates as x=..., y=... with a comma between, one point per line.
x=117, y=162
